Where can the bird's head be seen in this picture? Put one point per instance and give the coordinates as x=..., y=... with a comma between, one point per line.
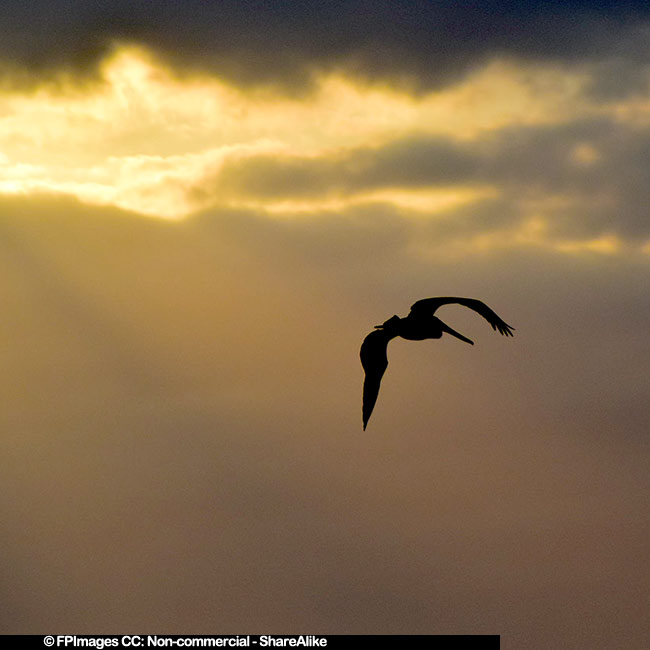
x=390, y=325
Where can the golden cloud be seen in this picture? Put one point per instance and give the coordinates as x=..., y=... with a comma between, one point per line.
x=148, y=140
x=140, y=137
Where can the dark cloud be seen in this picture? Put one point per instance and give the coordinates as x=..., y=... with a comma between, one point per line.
x=619, y=77
x=597, y=168
x=414, y=162
x=423, y=43
x=599, y=165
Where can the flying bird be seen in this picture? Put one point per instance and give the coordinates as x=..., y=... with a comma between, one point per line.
x=420, y=324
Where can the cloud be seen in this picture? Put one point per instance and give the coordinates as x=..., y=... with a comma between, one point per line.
x=143, y=136
x=418, y=161
x=582, y=179
x=426, y=44
x=535, y=164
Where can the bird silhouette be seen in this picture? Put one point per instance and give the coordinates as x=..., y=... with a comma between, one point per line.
x=420, y=324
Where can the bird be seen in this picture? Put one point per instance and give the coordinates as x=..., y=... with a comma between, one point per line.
x=418, y=325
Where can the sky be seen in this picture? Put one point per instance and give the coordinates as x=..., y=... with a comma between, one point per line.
x=205, y=207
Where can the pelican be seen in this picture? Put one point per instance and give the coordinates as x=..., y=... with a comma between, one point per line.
x=420, y=324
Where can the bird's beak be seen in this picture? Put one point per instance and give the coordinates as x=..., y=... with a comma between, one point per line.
x=379, y=327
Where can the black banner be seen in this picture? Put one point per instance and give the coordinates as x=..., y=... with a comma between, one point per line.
x=307, y=641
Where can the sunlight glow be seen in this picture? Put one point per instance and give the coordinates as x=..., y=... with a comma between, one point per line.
x=414, y=203
x=606, y=245
x=532, y=233
x=143, y=137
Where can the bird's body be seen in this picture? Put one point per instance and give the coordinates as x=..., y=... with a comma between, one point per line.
x=419, y=325
x=419, y=329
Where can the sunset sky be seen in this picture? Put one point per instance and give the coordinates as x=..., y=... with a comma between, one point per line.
x=206, y=206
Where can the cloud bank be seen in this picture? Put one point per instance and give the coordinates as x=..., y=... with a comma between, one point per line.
x=424, y=44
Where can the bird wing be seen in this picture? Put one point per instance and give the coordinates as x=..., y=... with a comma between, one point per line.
x=428, y=306
x=374, y=359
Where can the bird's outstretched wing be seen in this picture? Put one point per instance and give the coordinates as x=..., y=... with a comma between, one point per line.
x=374, y=359
x=428, y=306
